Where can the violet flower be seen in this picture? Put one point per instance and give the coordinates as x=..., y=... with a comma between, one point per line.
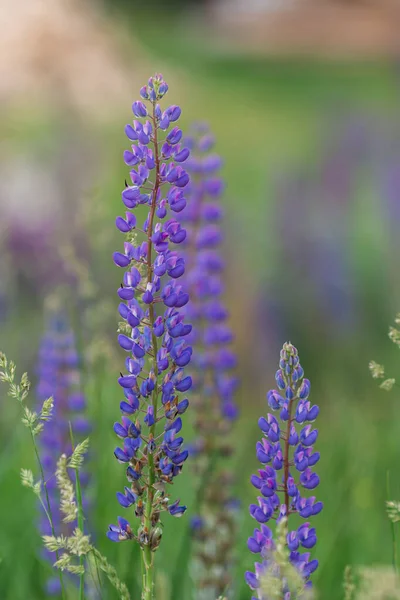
x=214, y=408
x=59, y=376
x=153, y=330
x=287, y=455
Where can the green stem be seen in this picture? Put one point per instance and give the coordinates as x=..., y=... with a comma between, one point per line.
x=143, y=571
x=286, y=459
x=80, y=521
x=148, y=574
x=147, y=554
x=81, y=527
x=48, y=511
x=393, y=528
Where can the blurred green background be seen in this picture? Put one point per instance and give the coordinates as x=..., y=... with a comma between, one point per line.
x=311, y=148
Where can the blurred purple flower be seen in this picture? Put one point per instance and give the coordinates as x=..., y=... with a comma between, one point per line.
x=58, y=372
x=215, y=383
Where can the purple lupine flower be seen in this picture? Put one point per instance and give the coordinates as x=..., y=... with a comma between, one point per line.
x=153, y=332
x=287, y=457
x=313, y=225
x=390, y=175
x=204, y=273
x=58, y=373
x=214, y=383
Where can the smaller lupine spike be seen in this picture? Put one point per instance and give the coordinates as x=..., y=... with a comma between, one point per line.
x=287, y=456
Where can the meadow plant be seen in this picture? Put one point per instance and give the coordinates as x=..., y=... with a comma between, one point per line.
x=153, y=329
x=72, y=549
x=282, y=450
x=71, y=545
x=95, y=312
x=377, y=370
x=213, y=407
x=59, y=377
x=35, y=422
x=374, y=583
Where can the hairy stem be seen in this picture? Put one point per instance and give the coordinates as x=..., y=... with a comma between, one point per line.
x=148, y=556
x=286, y=459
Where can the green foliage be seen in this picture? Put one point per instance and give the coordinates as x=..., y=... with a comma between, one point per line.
x=77, y=545
x=378, y=371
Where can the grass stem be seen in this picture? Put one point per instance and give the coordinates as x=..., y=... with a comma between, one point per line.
x=392, y=526
x=80, y=520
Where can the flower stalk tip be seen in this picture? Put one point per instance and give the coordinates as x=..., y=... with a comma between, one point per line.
x=287, y=457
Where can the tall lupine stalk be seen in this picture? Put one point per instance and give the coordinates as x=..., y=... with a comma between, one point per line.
x=158, y=353
x=214, y=384
x=59, y=377
x=283, y=450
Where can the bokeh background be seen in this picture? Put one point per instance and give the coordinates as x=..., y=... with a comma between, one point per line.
x=303, y=96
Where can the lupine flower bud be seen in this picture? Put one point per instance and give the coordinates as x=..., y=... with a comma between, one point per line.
x=285, y=449
x=153, y=332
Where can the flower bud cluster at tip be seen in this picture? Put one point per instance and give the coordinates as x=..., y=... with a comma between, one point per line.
x=214, y=384
x=58, y=372
x=287, y=455
x=153, y=331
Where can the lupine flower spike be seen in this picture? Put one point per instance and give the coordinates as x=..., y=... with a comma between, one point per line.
x=287, y=455
x=214, y=409
x=153, y=330
x=59, y=377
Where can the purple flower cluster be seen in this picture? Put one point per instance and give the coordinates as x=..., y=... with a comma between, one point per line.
x=153, y=331
x=59, y=376
x=214, y=409
x=212, y=335
x=286, y=449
